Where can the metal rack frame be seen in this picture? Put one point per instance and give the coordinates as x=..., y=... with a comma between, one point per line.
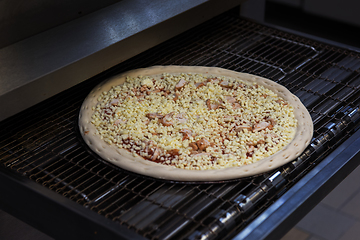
x=276, y=200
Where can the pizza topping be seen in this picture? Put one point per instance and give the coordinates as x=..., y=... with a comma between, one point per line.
x=269, y=123
x=250, y=150
x=143, y=89
x=212, y=106
x=203, y=144
x=213, y=80
x=187, y=133
x=272, y=121
x=156, y=154
x=281, y=101
x=242, y=127
x=228, y=118
x=176, y=96
x=153, y=91
x=174, y=152
x=261, y=126
x=194, y=146
x=154, y=115
x=236, y=105
x=225, y=84
x=180, y=118
x=180, y=84
x=167, y=120
x=146, y=121
x=230, y=99
x=193, y=121
x=119, y=121
x=114, y=102
x=200, y=84
x=209, y=105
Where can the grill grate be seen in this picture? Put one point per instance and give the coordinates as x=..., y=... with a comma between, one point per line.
x=42, y=143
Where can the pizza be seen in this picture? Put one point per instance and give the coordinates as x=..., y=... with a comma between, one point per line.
x=187, y=123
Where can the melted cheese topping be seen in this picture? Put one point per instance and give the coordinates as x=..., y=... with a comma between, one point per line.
x=192, y=121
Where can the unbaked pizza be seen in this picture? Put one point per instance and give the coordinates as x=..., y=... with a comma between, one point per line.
x=194, y=123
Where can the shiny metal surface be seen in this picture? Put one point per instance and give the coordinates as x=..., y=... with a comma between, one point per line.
x=21, y=19
x=284, y=213
x=41, y=66
x=43, y=157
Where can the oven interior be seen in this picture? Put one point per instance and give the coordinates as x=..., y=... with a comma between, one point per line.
x=42, y=144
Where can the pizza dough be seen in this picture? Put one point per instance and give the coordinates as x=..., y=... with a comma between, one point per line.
x=133, y=162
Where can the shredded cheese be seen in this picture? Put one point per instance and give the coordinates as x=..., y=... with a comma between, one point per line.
x=195, y=122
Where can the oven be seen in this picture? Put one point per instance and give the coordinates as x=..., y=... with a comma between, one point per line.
x=52, y=181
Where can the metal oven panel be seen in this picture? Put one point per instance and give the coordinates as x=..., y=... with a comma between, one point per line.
x=42, y=154
x=47, y=63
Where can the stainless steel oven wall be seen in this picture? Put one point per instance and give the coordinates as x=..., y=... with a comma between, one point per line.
x=21, y=19
x=47, y=63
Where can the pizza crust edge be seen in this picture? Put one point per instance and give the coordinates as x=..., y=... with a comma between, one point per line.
x=124, y=159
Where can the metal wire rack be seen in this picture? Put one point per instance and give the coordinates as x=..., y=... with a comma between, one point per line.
x=43, y=143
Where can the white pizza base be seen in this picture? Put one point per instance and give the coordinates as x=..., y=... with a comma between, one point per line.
x=127, y=161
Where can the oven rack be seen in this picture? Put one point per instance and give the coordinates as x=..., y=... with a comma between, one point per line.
x=42, y=154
